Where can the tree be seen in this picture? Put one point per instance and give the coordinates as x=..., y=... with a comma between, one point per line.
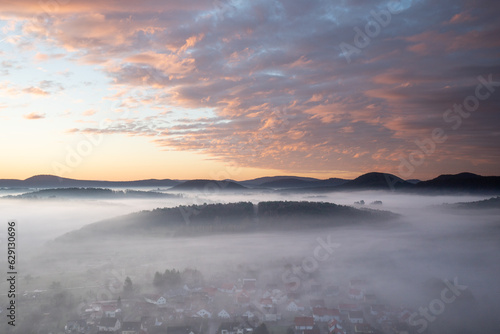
x=158, y=281
x=128, y=287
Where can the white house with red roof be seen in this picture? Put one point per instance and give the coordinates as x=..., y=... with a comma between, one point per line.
x=110, y=310
x=344, y=308
x=356, y=317
x=316, y=303
x=356, y=294
x=109, y=325
x=303, y=323
x=334, y=327
x=323, y=314
x=294, y=306
x=227, y=288
x=266, y=303
x=243, y=299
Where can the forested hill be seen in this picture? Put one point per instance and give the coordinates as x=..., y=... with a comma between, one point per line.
x=228, y=218
x=491, y=203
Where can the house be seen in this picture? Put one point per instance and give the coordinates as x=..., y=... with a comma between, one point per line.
x=317, y=303
x=210, y=291
x=323, y=314
x=248, y=315
x=76, y=326
x=294, y=306
x=227, y=288
x=266, y=303
x=303, y=323
x=377, y=309
x=131, y=327
x=203, y=313
x=334, y=327
x=223, y=315
x=356, y=317
x=271, y=317
x=243, y=299
x=345, y=308
x=355, y=294
x=233, y=328
x=110, y=310
x=108, y=325
x=363, y=329
x=155, y=299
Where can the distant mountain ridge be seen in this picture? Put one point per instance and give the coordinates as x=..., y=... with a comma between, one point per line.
x=208, y=185
x=88, y=193
x=299, y=183
x=463, y=182
x=51, y=181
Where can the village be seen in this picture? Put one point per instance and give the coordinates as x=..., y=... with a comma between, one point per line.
x=247, y=306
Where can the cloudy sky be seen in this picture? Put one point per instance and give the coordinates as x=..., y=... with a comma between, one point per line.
x=125, y=89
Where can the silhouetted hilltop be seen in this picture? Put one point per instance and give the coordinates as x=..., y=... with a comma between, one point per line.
x=228, y=218
x=377, y=181
x=463, y=182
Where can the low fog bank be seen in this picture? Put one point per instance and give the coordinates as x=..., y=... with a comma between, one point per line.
x=404, y=262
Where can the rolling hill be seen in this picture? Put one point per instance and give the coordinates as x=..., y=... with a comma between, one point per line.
x=228, y=218
x=88, y=193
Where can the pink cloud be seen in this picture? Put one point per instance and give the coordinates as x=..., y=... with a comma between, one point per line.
x=36, y=91
x=34, y=115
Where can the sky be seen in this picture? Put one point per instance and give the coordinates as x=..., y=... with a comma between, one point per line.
x=127, y=90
